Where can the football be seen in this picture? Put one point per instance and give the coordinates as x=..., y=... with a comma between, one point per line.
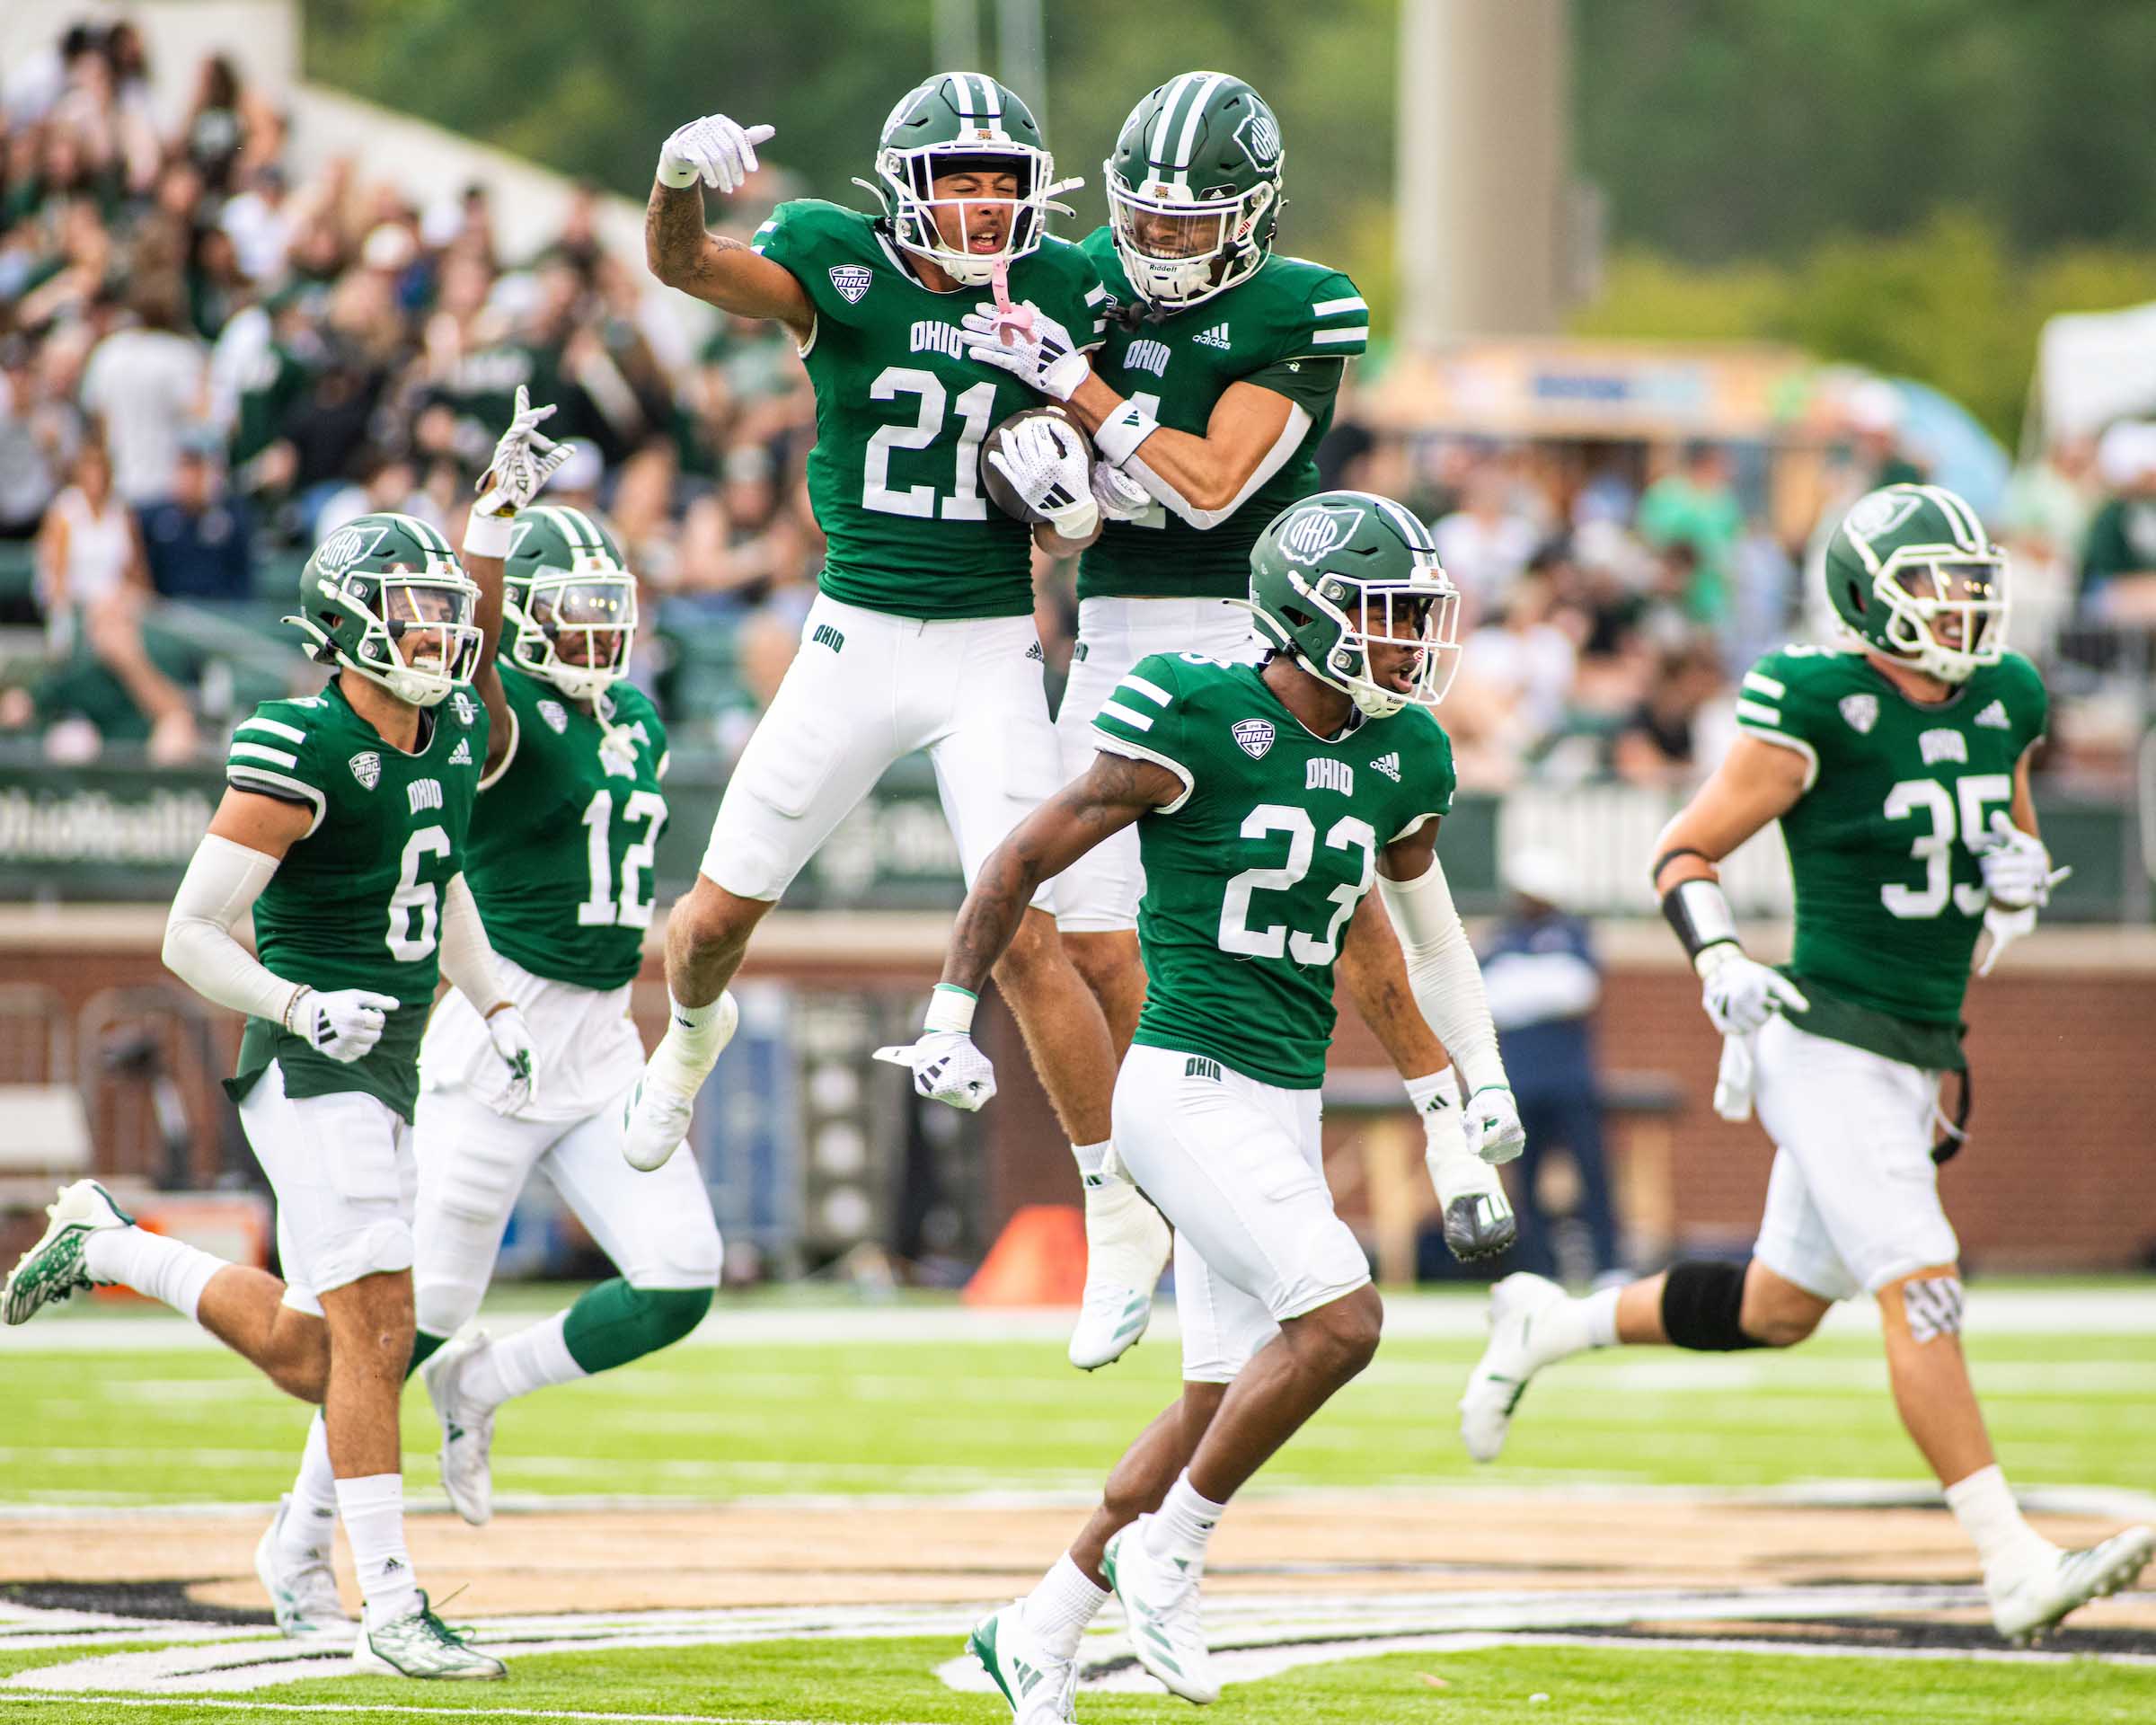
x=999, y=488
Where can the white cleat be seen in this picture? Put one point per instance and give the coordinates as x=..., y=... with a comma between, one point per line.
x=1042, y=1689
x=1126, y=1247
x=1159, y=1598
x=2027, y=1605
x=655, y=1117
x=303, y=1593
x=467, y=1431
x=1500, y=1376
x=52, y=1270
x=421, y=1645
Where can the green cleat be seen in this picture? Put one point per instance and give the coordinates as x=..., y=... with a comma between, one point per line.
x=52, y=1269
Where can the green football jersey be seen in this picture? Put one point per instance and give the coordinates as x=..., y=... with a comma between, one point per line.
x=900, y=413
x=356, y=903
x=1884, y=841
x=1252, y=873
x=1289, y=328
x=560, y=856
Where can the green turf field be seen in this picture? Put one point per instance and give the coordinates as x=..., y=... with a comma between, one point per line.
x=104, y=1412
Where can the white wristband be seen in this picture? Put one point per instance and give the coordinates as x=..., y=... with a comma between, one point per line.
x=679, y=175
x=950, y=1008
x=1122, y=431
x=489, y=535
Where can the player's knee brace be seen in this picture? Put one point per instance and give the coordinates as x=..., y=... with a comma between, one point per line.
x=1700, y=1306
x=1933, y=1306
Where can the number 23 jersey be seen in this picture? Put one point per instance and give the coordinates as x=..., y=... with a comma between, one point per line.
x=901, y=411
x=356, y=902
x=1884, y=841
x=1252, y=873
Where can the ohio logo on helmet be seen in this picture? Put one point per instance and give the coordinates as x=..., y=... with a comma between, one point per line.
x=1313, y=533
x=347, y=546
x=1881, y=513
x=1259, y=136
x=852, y=280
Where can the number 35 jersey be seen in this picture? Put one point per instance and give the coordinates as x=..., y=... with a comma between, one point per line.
x=900, y=413
x=356, y=902
x=1252, y=873
x=1885, y=841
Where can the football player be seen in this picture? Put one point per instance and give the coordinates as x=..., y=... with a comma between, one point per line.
x=1267, y=798
x=343, y=829
x=922, y=636
x=1897, y=764
x=1207, y=400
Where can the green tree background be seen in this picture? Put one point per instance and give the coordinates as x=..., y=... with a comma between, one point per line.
x=1909, y=184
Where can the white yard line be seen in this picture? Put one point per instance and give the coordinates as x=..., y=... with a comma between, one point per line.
x=223, y=1705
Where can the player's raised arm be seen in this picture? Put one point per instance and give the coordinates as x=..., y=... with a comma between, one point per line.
x=524, y=461
x=1113, y=793
x=683, y=253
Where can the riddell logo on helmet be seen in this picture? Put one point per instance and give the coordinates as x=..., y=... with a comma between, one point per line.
x=1314, y=532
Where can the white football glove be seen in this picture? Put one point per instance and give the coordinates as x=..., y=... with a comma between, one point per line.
x=518, y=1085
x=344, y=1023
x=1045, y=460
x=714, y=150
x=2017, y=868
x=1120, y=497
x=2004, y=927
x=1039, y=354
x=1491, y=1121
x=523, y=462
x=1739, y=993
x=947, y=1068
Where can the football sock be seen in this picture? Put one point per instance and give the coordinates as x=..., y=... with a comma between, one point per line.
x=165, y=1270
x=309, y=1523
x=516, y=1365
x=1985, y=1508
x=1060, y=1608
x=1575, y=1326
x=1183, y=1523
x=695, y=1037
x=1092, y=1158
x=613, y=1324
x=373, y=1510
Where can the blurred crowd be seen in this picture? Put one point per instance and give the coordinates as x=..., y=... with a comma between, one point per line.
x=209, y=361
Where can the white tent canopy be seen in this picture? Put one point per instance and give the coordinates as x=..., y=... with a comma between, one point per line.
x=2093, y=367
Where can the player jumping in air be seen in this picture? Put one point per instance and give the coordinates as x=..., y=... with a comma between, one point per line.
x=1207, y=400
x=1898, y=767
x=1267, y=799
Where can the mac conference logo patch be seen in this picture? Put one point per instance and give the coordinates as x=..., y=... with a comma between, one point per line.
x=556, y=716
x=852, y=280
x=367, y=767
x=1253, y=737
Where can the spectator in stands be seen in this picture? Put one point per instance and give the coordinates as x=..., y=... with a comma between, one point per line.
x=38, y=436
x=144, y=385
x=1696, y=505
x=2118, y=554
x=1485, y=544
x=1662, y=740
x=1526, y=657
x=1539, y=967
x=200, y=544
x=92, y=583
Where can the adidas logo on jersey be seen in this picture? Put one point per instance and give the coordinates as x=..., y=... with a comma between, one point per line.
x=1216, y=337
x=1993, y=717
x=1036, y=655
x=461, y=756
x=1389, y=764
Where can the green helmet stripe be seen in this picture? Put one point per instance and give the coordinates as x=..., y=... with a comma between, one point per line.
x=1156, y=147
x=574, y=527
x=426, y=535
x=1187, y=141
x=1968, y=532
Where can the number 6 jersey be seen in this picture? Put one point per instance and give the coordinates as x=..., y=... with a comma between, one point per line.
x=1884, y=841
x=357, y=901
x=1252, y=873
x=901, y=411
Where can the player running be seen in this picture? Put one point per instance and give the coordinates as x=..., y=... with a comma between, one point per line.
x=1266, y=797
x=1207, y=400
x=343, y=829
x=1898, y=767
x=921, y=637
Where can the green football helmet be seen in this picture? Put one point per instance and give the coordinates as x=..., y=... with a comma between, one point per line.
x=1194, y=188
x=956, y=120
x=378, y=581
x=1909, y=560
x=565, y=582
x=1336, y=572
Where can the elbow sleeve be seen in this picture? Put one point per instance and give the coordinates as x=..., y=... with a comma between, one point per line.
x=1443, y=974
x=223, y=882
